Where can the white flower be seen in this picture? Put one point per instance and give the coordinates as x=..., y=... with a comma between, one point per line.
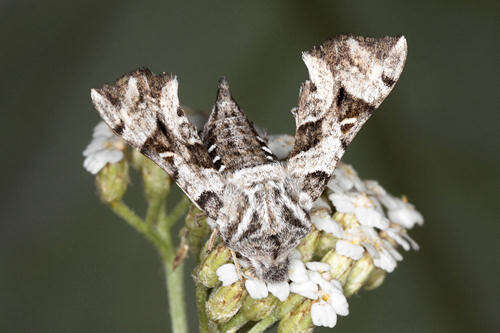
x=399, y=211
x=322, y=220
x=318, y=266
x=323, y=314
x=366, y=209
x=104, y=148
x=257, y=289
x=306, y=281
x=297, y=271
x=227, y=274
x=330, y=303
x=385, y=261
x=281, y=290
x=345, y=178
x=347, y=249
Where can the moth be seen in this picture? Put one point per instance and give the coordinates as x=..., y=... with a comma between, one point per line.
x=260, y=204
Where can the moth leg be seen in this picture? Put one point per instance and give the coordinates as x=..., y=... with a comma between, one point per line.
x=211, y=240
x=237, y=265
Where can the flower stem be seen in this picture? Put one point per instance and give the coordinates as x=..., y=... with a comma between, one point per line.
x=176, y=213
x=286, y=307
x=235, y=323
x=176, y=302
x=262, y=325
x=174, y=278
x=201, y=299
x=163, y=242
x=123, y=211
x=153, y=210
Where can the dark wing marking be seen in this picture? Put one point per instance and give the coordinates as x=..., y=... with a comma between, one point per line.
x=349, y=78
x=144, y=110
x=231, y=139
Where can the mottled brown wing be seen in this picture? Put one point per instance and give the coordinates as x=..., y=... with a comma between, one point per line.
x=231, y=139
x=349, y=78
x=144, y=110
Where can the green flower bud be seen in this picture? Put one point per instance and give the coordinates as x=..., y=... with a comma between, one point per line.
x=326, y=242
x=256, y=309
x=225, y=302
x=359, y=274
x=156, y=181
x=376, y=278
x=341, y=265
x=112, y=181
x=291, y=302
x=308, y=244
x=197, y=228
x=137, y=159
x=206, y=272
x=298, y=320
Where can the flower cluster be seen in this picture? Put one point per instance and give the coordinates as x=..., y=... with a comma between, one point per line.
x=357, y=227
x=104, y=148
x=370, y=219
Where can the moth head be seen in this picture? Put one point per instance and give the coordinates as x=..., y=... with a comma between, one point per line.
x=264, y=225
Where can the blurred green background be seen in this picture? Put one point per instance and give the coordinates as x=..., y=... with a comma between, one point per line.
x=69, y=265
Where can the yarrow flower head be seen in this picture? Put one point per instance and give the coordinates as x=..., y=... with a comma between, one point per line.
x=104, y=148
x=305, y=280
x=357, y=227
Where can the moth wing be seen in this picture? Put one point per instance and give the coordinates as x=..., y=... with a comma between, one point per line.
x=349, y=78
x=144, y=110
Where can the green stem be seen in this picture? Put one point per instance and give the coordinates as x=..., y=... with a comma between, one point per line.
x=176, y=213
x=237, y=322
x=163, y=242
x=175, y=289
x=201, y=299
x=286, y=307
x=154, y=206
x=123, y=211
x=174, y=278
x=262, y=325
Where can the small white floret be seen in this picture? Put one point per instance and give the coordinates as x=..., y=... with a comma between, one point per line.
x=281, y=290
x=318, y=266
x=297, y=271
x=306, y=289
x=323, y=314
x=347, y=249
x=227, y=274
x=257, y=289
x=104, y=148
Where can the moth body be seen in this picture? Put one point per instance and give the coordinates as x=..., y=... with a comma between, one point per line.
x=263, y=218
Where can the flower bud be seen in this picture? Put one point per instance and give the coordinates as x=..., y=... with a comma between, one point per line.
x=256, y=309
x=156, y=181
x=341, y=265
x=326, y=242
x=137, y=159
x=298, y=320
x=225, y=302
x=376, y=278
x=308, y=244
x=197, y=228
x=206, y=274
x=112, y=181
x=358, y=275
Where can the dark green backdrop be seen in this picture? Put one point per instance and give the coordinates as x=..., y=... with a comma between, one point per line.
x=68, y=265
